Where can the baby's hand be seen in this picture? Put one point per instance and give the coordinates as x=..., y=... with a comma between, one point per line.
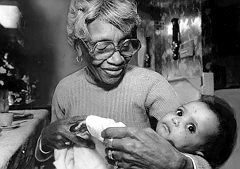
x=82, y=133
x=80, y=129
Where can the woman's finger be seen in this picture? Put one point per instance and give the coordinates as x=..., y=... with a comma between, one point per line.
x=113, y=155
x=78, y=141
x=130, y=165
x=59, y=143
x=119, y=132
x=125, y=144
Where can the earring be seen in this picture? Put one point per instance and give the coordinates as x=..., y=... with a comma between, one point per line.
x=79, y=59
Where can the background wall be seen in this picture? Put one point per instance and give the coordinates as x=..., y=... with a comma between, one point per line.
x=221, y=35
x=226, y=36
x=45, y=42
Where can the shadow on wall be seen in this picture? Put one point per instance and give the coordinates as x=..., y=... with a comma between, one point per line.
x=45, y=41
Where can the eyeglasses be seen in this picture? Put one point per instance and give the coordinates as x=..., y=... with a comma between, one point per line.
x=105, y=49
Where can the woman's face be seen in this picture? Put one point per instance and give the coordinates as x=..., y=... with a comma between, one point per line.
x=112, y=69
x=189, y=127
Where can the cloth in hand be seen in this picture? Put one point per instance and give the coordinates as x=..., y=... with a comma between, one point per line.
x=86, y=158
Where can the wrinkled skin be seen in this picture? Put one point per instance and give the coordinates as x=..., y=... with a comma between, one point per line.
x=56, y=134
x=143, y=148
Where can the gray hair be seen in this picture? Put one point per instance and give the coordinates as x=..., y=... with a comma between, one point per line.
x=120, y=13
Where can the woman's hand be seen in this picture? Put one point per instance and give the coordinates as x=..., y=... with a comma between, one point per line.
x=60, y=134
x=142, y=148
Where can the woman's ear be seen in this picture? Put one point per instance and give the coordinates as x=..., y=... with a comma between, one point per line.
x=79, y=51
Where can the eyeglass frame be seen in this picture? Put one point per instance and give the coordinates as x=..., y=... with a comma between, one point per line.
x=116, y=48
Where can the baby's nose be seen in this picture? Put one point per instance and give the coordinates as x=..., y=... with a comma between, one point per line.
x=175, y=121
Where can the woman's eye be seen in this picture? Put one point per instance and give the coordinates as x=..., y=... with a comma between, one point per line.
x=125, y=48
x=179, y=112
x=101, y=47
x=105, y=48
x=191, y=128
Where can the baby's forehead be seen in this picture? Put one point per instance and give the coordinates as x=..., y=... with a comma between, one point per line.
x=196, y=105
x=199, y=111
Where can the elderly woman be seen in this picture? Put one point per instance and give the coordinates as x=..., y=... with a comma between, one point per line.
x=102, y=33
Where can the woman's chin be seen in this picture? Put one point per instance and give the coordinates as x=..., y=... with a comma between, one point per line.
x=112, y=81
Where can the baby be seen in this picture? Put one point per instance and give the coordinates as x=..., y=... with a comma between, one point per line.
x=206, y=127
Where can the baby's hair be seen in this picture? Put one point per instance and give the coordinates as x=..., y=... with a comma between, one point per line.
x=220, y=146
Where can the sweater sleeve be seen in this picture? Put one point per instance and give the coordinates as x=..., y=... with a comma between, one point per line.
x=161, y=98
x=58, y=101
x=56, y=113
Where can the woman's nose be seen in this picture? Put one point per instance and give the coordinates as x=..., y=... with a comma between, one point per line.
x=116, y=59
x=175, y=121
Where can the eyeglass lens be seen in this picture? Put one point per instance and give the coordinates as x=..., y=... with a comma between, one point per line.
x=105, y=49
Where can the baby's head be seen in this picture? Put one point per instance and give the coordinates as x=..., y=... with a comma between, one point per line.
x=206, y=127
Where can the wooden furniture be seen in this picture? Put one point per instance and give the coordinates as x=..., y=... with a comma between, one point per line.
x=17, y=145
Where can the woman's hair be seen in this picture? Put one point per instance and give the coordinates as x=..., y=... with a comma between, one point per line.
x=220, y=146
x=120, y=13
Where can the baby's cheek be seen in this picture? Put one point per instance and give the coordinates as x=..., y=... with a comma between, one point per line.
x=161, y=132
x=179, y=139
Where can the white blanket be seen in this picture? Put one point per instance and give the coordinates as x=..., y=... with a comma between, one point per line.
x=85, y=158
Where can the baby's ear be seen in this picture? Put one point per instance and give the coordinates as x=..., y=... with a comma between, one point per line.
x=199, y=153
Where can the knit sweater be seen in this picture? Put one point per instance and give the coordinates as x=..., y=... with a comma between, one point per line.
x=141, y=93
x=140, y=90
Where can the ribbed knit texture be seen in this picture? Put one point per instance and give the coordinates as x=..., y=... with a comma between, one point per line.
x=139, y=90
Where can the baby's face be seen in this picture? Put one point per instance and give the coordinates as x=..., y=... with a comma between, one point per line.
x=189, y=127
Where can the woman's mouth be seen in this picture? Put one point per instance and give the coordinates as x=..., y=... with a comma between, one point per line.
x=113, y=72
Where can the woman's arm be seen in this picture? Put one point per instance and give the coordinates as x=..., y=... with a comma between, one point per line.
x=57, y=135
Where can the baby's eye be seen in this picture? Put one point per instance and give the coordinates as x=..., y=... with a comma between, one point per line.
x=179, y=112
x=191, y=128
